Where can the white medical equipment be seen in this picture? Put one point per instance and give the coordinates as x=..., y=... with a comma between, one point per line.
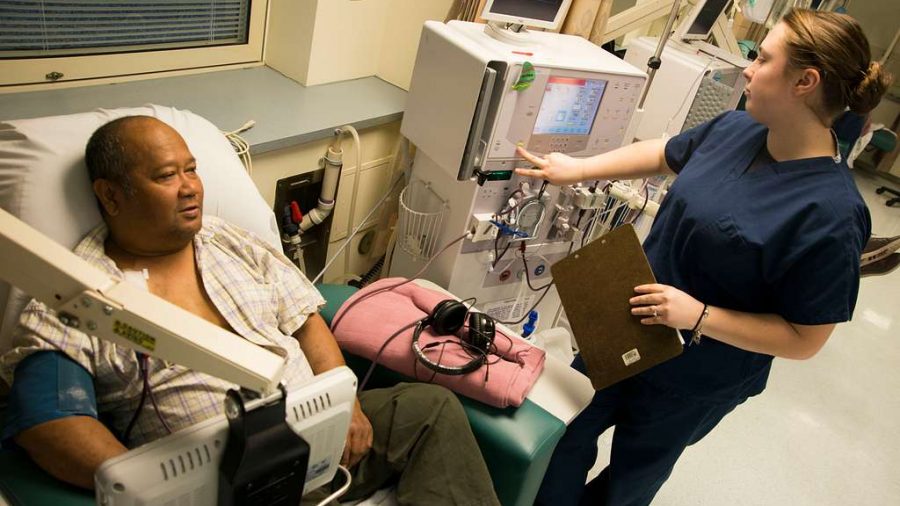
x=689, y=88
x=45, y=184
x=696, y=80
x=473, y=99
x=87, y=299
x=183, y=468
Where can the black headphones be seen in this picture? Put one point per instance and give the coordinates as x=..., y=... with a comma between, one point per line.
x=447, y=318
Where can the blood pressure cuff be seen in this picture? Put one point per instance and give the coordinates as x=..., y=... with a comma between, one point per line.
x=47, y=385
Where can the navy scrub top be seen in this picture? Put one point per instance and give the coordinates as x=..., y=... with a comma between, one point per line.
x=781, y=237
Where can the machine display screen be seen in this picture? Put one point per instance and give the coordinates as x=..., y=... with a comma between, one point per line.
x=569, y=106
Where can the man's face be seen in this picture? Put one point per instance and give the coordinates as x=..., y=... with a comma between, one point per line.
x=164, y=210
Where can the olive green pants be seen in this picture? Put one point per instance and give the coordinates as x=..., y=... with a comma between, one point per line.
x=423, y=444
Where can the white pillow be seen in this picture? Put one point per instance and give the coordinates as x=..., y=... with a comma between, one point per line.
x=44, y=182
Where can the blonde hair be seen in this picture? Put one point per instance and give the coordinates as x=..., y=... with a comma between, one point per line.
x=835, y=45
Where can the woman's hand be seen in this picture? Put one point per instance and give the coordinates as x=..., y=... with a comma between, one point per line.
x=359, y=438
x=557, y=168
x=665, y=305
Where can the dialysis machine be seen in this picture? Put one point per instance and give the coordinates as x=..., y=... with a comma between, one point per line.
x=478, y=92
x=696, y=81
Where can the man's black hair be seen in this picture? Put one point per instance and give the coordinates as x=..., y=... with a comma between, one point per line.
x=107, y=155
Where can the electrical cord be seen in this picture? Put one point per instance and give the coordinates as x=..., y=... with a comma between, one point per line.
x=356, y=230
x=341, y=491
x=365, y=380
x=684, y=102
x=241, y=146
x=646, y=199
x=497, y=254
x=340, y=317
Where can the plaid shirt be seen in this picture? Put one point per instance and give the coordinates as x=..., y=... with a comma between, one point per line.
x=261, y=295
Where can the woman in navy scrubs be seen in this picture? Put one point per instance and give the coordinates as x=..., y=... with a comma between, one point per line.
x=756, y=249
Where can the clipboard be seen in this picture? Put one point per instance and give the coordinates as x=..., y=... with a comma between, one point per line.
x=594, y=285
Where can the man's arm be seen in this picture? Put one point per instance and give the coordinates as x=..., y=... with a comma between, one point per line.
x=70, y=449
x=323, y=354
x=52, y=416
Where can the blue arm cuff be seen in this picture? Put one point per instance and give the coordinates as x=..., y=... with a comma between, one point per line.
x=47, y=385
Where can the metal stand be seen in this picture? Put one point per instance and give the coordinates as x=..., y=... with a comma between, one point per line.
x=265, y=461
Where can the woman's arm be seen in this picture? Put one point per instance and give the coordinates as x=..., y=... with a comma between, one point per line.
x=761, y=333
x=638, y=160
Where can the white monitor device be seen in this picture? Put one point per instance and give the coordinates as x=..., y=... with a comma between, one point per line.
x=183, y=468
x=536, y=13
x=562, y=94
x=699, y=23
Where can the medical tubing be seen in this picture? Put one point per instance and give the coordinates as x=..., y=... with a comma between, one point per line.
x=339, y=492
x=358, y=227
x=528, y=277
x=140, y=405
x=354, y=194
x=153, y=401
x=340, y=317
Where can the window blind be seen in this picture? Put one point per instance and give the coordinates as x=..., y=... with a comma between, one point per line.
x=39, y=28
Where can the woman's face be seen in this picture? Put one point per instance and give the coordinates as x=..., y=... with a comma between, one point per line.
x=770, y=80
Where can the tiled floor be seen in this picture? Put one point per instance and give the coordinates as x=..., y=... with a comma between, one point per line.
x=827, y=430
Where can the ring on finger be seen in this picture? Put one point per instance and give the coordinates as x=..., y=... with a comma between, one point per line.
x=655, y=313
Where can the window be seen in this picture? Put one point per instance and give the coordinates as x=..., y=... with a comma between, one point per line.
x=48, y=40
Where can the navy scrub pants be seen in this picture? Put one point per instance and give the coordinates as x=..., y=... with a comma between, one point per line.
x=653, y=427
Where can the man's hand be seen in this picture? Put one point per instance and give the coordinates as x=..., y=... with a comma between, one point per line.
x=557, y=168
x=665, y=305
x=359, y=438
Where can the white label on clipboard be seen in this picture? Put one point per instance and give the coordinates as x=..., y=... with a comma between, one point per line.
x=631, y=357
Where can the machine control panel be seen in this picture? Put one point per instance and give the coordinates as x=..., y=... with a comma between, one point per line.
x=567, y=111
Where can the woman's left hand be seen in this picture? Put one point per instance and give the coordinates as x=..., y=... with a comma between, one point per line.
x=665, y=305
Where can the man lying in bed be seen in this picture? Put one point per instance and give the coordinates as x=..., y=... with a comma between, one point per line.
x=154, y=232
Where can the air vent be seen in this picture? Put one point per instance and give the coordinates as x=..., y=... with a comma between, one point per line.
x=304, y=410
x=185, y=462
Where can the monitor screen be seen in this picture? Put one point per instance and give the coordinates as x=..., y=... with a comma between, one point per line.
x=542, y=10
x=569, y=106
x=702, y=25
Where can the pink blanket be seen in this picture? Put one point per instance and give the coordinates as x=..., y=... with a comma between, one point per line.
x=364, y=329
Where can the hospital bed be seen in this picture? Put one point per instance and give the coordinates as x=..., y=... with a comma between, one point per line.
x=44, y=183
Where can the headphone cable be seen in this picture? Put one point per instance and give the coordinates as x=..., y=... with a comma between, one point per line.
x=393, y=336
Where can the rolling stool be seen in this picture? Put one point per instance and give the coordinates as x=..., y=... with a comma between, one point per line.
x=891, y=201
